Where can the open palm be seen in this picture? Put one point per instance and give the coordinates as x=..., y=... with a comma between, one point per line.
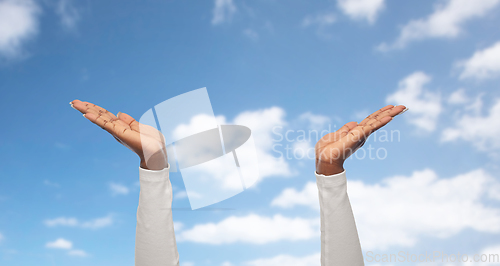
x=334, y=148
x=147, y=142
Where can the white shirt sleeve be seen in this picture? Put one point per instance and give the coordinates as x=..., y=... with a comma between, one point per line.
x=155, y=238
x=339, y=237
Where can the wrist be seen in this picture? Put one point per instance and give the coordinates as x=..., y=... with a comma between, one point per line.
x=323, y=168
x=152, y=165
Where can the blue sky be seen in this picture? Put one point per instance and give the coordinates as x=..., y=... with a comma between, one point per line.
x=68, y=191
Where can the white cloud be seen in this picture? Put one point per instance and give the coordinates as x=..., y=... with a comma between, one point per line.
x=62, y=221
x=489, y=255
x=362, y=9
x=223, y=11
x=68, y=13
x=290, y=197
x=399, y=210
x=98, y=223
x=445, y=22
x=251, y=34
x=252, y=229
x=316, y=122
x=73, y=222
x=178, y=226
x=187, y=263
x=118, y=189
x=492, y=254
x=180, y=195
x=78, y=253
x=425, y=106
x=1, y=237
x=481, y=131
x=458, y=97
x=60, y=243
x=18, y=24
x=262, y=122
x=311, y=260
x=303, y=150
x=484, y=64
x=402, y=209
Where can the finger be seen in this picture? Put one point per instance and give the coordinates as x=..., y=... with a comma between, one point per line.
x=96, y=109
x=119, y=131
x=368, y=118
x=391, y=112
x=400, y=109
x=378, y=124
x=85, y=107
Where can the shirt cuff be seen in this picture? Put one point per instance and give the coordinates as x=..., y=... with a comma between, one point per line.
x=154, y=175
x=337, y=179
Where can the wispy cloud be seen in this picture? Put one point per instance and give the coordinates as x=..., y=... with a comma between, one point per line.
x=321, y=22
x=288, y=260
x=60, y=243
x=484, y=64
x=68, y=13
x=64, y=244
x=118, y=189
x=362, y=9
x=251, y=34
x=446, y=21
x=73, y=222
x=18, y=24
x=480, y=130
x=78, y=253
x=425, y=106
x=223, y=11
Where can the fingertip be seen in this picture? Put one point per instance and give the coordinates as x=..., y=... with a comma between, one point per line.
x=404, y=109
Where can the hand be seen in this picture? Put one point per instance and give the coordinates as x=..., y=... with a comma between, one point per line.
x=334, y=148
x=147, y=142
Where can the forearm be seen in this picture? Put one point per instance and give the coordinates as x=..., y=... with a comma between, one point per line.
x=339, y=237
x=155, y=238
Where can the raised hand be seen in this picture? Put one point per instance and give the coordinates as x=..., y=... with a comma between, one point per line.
x=334, y=148
x=147, y=142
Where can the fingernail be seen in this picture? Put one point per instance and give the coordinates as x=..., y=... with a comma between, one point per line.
x=73, y=107
x=406, y=109
x=71, y=102
x=118, y=115
x=84, y=116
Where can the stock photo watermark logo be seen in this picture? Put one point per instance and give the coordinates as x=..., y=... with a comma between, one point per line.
x=431, y=257
x=216, y=161
x=300, y=144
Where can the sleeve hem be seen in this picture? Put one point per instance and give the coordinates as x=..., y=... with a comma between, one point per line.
x=154, y=175
x=337, y=179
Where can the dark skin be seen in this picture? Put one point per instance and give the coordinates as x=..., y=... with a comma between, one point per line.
x=148, y=143
x=334, y=148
